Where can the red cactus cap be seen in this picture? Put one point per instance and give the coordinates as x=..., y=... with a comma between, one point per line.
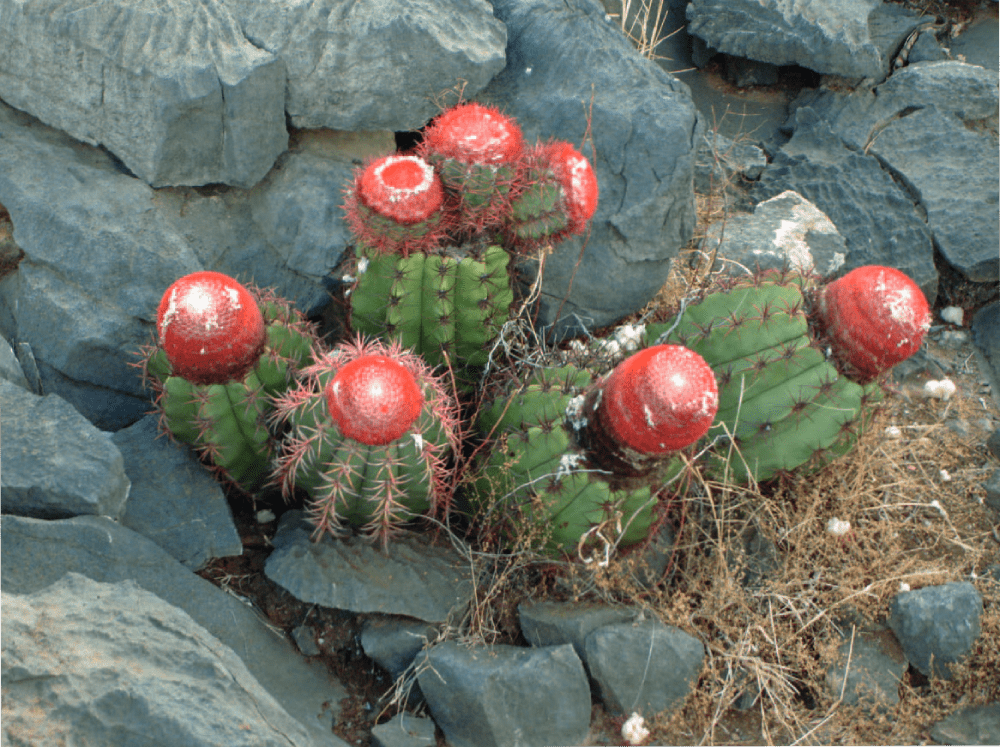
x=210, y=328
x=374, y=399
x=659, y=400
x=875, y=316
x=474, y=134
x=578, y=181
x=403, y=188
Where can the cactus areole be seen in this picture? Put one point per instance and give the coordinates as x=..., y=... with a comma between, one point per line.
x=211, y=328
x=475, y=134
x=374, y=399
x=403, y=188
x=875, y=317
x=660, y=400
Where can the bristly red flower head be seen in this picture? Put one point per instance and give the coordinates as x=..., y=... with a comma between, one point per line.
x=875, y=318
x=474, y=134
x=374, y=399
x=661, y=399
x=211, y=328
x=578, y=182
x=403, y=188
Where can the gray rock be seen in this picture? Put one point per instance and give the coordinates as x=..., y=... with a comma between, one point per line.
x=937, y=625
x=37, y=553
x=784, y=232
x=970, y=725
x=55, y=463
x=565, y=63
x=986, y=343
x=171, y=87
x=721, y=161
x=29, y=366
x=114, y=664
x=506, y=695
x=926, y=48
x=879, y=222
x=869, y=668
x=375, y=64
x=555, y=623
x=394, y=642
x=101, y=248
x=411, y=578
x=97, y=262
x=993, y=490
x=850, y=38
x=10, y=368
x=644, y=666
x=404, y=730
x=953, y=172
x=175, y=501
x=966, y=91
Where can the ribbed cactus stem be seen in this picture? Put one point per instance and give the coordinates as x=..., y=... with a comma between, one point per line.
x=660, y=400
x=210, y=328
x=374, y=399
x=874, y=317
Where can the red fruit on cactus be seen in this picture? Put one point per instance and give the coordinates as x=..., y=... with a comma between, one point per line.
x=875, y=318
x=661, y=399
x=210, y=328
x=374, y=399
x=474, y=134
x=579, y=183
x=403, y=188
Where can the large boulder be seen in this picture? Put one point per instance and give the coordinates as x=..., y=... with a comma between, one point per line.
x=375, y=64
x=171, y=87
x=572, y=74
x=850, y=38
x=93, y=663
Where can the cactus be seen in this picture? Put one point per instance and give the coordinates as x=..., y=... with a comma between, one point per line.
x=581, y=460
x=369, y=433
x=558, y=196
x=782, y=399
x=439, y=305
x=875, y=318
x=223, y=350
x=396, y=206
x=439, y=281
x=475, y=149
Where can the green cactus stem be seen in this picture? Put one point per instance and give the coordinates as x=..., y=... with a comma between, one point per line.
x=439, y=305
x=557, y=196
x=541, y=481
x=223, y=350
x=369, y=431
x=781, y=401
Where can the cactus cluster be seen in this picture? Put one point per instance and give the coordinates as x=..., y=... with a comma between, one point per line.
x=581, y=459
x=223, y=349
x=797, y=363
x=436, y=230
x=760, y=375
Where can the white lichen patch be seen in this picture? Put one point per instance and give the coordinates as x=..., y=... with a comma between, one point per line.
x=634, y=730
x=574, y=413
x=568, y=463
x=942, y=389
x=837, y=527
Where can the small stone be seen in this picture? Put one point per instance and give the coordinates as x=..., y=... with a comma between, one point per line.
x=953, y=315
